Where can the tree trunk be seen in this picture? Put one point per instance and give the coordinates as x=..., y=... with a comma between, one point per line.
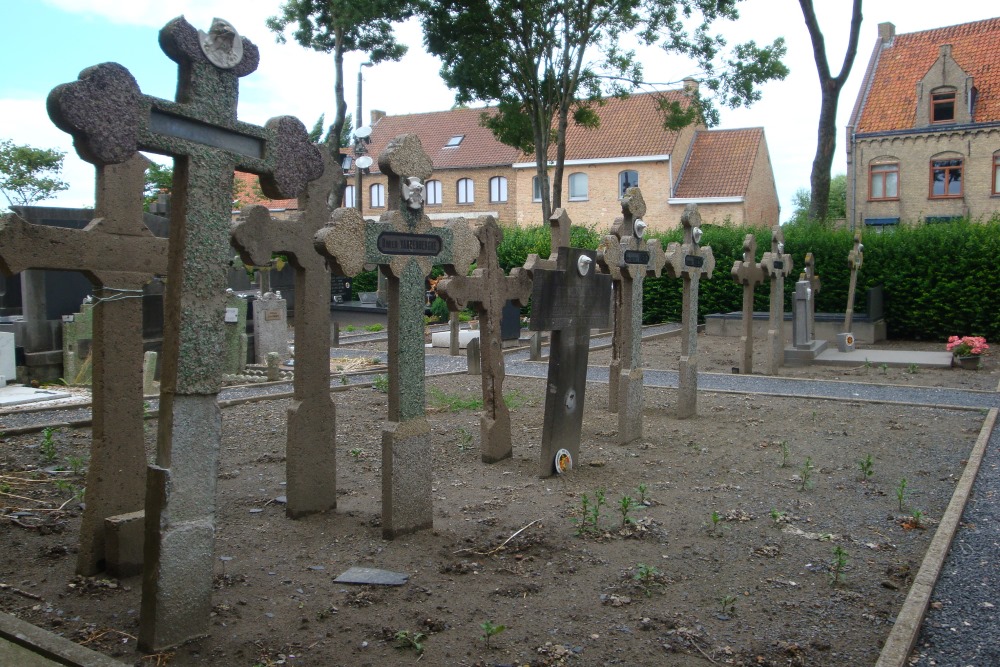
x=333, y=140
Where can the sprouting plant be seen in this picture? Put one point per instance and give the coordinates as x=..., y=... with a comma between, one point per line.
x=464, y=440
x=917, y=518
x=866, y=465
x=63, y=485
x=490, y=630
x=357, y=453
x=381, y=383
x=600, y=500
x=590, y=513
x=716, y=520
x=350, y=327
x=75, y=464
x=784, y=454
x=727, y=605
x=374, y=328
x=4, y=487
x=48, y=446
x=583, y=523
x=885, y=369
x=647, y=577
x=776, y=516
x=642, y=490
x=625, y=506
x=343, y=379
x=373, y=361
x=901, y=493
x=415, y=640
x=513, y=400
x=806, y=474
x=912, y=369
x=868, y=364
x=838, y=565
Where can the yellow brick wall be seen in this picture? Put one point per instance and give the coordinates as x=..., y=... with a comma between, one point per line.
x=449, y=206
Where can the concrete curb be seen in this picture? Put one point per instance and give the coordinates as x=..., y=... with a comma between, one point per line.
x=27, y=645
x=899, y=644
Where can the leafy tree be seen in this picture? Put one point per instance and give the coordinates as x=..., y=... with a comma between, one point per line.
x=536, y=62
x=158, y=177
x=837, y=204
x=316, y=133
x=28, y=175
x=830, y=86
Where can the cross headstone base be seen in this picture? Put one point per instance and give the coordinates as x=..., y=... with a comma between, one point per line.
x=687, y=376
x=406, y=478
x=630, y=402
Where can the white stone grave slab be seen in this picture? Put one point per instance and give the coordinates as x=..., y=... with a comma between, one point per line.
x=8, y=369
x=443, y=338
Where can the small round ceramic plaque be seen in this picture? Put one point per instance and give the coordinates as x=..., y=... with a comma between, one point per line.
x=563, y=461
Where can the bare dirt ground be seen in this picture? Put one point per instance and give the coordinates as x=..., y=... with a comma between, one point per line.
x=726, y=553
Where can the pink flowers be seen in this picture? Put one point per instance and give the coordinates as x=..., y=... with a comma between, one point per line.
x=966, y=345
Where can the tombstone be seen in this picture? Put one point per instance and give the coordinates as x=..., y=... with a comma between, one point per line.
x=855, y=258
x=474, y=361
x=8, y=366
x=535, y=347
x=488, y=290
x=77, y=340
x=814, y=284
x=310, y=451
x=776, y=264
x=110, y=119
x=405, y=247
x=235, y=322
x=119, y=255
x=804, y=349
x=568, y=301
x=149, y=384
x=628, y=258
x=454, y=327
x=270, y=326
x=689, y=261
x=749, y=273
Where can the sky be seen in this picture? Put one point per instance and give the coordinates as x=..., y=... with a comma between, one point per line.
x=292, y=80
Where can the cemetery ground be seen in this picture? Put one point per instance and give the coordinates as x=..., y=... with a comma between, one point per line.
x=752, y=534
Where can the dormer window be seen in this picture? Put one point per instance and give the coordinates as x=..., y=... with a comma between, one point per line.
x=455, y=141
x=943, y=106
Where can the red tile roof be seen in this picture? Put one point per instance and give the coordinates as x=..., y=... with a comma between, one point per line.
x=629, y=128
x=247, y=192
x=720, y=163
x=891, y=103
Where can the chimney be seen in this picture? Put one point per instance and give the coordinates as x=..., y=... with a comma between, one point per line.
x=376, y=116
x=945, y=50
x=886, y=31
x=690, y=85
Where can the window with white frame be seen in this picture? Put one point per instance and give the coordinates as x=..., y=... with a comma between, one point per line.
x=498, y=189
x=349, y=197
x=376, y=195
x=536, y=189
x=627, y=179
x=466, y=191
x=996, y=173
x=432, y=193
x=578, y=186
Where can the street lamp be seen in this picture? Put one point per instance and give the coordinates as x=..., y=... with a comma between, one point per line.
x=357, y=140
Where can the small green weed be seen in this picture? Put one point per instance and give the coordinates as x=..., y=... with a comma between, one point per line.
x=912, y=369
x=590, y=520
x=918, y=517
x=866, y=465
x=784, y=454
x=806, y=474
x=48, y=446
x=647, y=577
x=357, y=453
x=350, y=327
x=452, y=402
x=415, y=640
x=343, y=380
x=464, y=440
x=885, y=369
x=642, y=489
x=381, y=383
x=838, y=565
x=868, y=365
x=901, y=493
x=490, y=630
x=626, y=505
x=777, y=517
x=514, y=400
x=374, y=328
x=76, y=464
x=727, y=605
x=716, y=523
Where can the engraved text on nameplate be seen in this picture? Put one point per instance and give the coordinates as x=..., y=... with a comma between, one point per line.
x=636, y=257
x=778, y=265
x=270, y=315
x=202, y=133
x=398, y=243
x=695, y=261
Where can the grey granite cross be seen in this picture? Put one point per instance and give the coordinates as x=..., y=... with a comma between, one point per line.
x=777, y=264
x=488, y=289
x=405, y=247
x=110, y=119
x=749, y=273
x=568, y=301
x=310, y=451
x=628, y=257
x=855, y=259
x=119, y=255
x=689, y=261
x=815, y=285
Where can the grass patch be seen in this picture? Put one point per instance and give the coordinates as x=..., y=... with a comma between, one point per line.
x=452, y=403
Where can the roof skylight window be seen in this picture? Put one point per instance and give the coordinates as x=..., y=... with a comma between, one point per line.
x=455, y=141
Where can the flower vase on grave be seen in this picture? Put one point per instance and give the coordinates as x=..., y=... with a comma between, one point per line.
x=969, y=362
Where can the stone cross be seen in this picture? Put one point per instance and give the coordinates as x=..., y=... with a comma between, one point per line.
x=488, y=289
x=568, y=301
x=777, y=264
x=854, y=260
x=110, y=119
x=749, y=273
x=800, y=315
x=405, y=247
x=119, y=255
x=559, y=228
x=310, y=454
x=814, y=285
x=628, y=258
x=689, y=261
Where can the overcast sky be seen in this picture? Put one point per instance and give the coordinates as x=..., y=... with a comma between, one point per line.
x=48, y=42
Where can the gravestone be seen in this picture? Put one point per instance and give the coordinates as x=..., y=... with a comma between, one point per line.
x=78, y=335
x=689, y=261
x=270, y=325
x=777, y=264
x=487, y=290
x=749, y=273
x=568, y=300
x=235, y=322
x=405, y=247
x=150, y=386
x=310, y=454
x=800, y=314
x=110, y=119
x=814, y=284
x=119, y=255
x=8, y=365
x=628, y=258
x=855, y=258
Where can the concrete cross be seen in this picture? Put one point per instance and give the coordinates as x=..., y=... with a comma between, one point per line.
x=310, y=454
x=749, y=273
x=689, y=261
x=628, y=258
x=777, y=264
x=855, y=259
x=814, y=285
x=569, y=301
x=119, y=255
x=488, y=289
x=405, y=247
x=559, y=228
x=110, y=119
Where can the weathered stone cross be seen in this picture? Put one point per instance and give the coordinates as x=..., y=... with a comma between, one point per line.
x=119, y=255
x=405, y=246
x=567, y=301
x=855, y=259
x=814, y=285
x=488, y=289
x=628, y=258
x=749, y=273
x=776, y=264
x=110, y=119
x=310, y=455
x=689, y=261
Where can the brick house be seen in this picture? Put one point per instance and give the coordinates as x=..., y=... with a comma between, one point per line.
x=728, y=172
x=923, y=143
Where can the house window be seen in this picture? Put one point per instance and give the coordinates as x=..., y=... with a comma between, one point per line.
x=376, y=195
x=943, y=106
x=946, y=178
x=466, y=191
x=996, y=174
x=627, y=179
x=349, y=197
x=498, y=189
x=432, y=192
x=536, y=189
x=577, y=186
x=884, y=181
